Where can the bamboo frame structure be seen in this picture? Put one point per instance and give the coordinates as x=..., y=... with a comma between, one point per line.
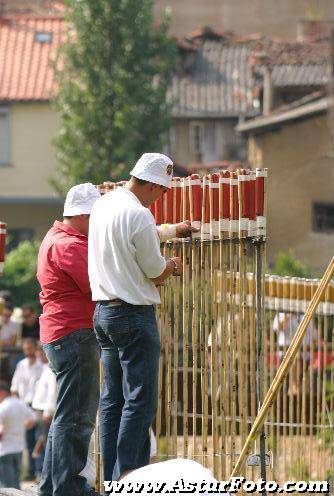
x=210, y=322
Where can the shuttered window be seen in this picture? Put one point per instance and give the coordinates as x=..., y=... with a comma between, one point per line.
x=4, y=136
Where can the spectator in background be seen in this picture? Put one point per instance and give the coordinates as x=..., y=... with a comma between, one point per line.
x=9, y=330
x=27, y=373
x=15, y=416
x=30, y=326
x=44, y=403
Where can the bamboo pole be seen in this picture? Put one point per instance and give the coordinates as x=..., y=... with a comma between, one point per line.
x=185, y=319
x=194, y=279
x=285, y=365
x=202, y=329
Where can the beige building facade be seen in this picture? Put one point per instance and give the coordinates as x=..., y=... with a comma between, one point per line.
x=28, y=203
x=299, y=156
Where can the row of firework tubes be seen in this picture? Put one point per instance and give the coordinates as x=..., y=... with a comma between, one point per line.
x=293, y=294
x=284, y=294
x=225, y=204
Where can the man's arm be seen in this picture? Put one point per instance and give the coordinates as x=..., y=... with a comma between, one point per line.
x=180, y=230
x=149, y=257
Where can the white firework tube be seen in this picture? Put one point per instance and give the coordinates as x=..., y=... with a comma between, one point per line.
x=197, y=224
x=261, y=225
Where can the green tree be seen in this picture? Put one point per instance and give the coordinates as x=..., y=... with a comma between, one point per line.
x=286, y=264
x=20, y=273
x=113, y=74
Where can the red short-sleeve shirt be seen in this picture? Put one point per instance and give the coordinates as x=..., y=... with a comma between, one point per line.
x=62, y=271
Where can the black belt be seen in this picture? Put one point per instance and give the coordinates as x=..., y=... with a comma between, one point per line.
x=116, y=301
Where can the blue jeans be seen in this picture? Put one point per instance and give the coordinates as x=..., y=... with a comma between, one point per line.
x=10, y=468
x=130, y=344
x=75, y=361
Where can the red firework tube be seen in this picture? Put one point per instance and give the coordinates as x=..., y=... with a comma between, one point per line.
x=224, y=179
x=196, y=198
x=235, y=205
x=207, y=203
x=3, y=233
x=158, y=211
x=252, y=214
x=177, y=197
x=169, y=206
x=196, y=186
x=152, y=208
x=243, y=190
x=185, y=206
x=261, y=174
x=215, y=182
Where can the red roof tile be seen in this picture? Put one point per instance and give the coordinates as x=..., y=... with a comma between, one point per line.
x=26, y=63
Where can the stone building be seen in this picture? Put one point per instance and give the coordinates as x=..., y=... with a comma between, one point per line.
x=296, y=145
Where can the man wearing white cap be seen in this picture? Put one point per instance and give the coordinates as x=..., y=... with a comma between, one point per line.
x=69, y=344
x=125, y=265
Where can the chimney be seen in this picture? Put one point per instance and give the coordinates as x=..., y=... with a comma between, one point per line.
x=261, y=58
x=313, y=29
x=268, y=90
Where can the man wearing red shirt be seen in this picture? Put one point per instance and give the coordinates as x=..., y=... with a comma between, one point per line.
x=70, y=344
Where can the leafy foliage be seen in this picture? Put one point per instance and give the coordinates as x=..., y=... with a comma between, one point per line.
x=113, y=74
x=20, y=273
x=287, y=264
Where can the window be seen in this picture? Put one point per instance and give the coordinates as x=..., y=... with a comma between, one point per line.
x=196, y=139
x=4, y=136
x=43, y=36
x=323, y=217
x=202, y=141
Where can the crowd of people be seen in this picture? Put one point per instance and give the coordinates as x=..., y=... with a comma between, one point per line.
x=27, y=394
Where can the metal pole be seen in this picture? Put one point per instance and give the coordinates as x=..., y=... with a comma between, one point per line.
x=259, y=355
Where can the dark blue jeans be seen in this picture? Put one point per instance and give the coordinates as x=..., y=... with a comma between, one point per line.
x=130, y=344
x=75, y=361
x=10, y=467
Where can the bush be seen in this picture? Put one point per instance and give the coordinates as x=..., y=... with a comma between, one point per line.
x=20, y=273
x=287, y=264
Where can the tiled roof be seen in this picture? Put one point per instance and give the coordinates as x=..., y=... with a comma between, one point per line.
x=26, y=70
x=217, y=77
x=216, y=83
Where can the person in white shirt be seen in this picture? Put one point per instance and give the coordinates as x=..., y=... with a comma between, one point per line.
x=125, y=265
x=15, y=417
x=27, y=373
x=44, y=403
x=9, y=330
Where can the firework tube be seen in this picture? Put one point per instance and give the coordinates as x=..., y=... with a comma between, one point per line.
x=224, y=216
x=196, y=193
x=261, y=174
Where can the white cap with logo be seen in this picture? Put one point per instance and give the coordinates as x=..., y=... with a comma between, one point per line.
x=80, y=199
x=155, y=168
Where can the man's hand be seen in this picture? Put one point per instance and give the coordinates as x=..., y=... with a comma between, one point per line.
x=178, y=266
x=184, y=229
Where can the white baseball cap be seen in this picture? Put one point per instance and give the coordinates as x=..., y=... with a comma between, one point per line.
x=80, y=199
x=155, y=168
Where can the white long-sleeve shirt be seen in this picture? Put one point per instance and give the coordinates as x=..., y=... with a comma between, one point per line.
x=46, y=392
x=123, y=250
x=25, y=379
